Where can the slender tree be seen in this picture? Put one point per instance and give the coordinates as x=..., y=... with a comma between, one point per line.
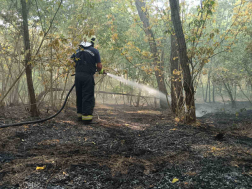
x=184, y=61
x=176, y=80
x=28, y=66
x=159, y=72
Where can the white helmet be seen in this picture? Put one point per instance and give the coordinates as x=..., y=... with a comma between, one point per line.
x=88, y=40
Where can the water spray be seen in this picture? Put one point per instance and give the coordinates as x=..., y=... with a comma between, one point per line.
x=148, y=89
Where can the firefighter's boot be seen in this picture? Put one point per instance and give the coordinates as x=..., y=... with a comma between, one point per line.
x=86, y=119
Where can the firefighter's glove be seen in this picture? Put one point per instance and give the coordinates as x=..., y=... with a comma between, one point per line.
x=102, y=72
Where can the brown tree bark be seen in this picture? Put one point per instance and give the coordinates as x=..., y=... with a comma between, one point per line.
x=28, y=67
x=159, y=71
x=176, y=79
x=184, y=62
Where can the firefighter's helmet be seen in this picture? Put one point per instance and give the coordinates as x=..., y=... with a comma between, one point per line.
x=88, y=40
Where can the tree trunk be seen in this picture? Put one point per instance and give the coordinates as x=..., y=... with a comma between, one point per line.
x=251, y=91
x=205, y=99
x=51, y=88
x=159, y=70
x=209, y=80
x=15, y=99
x=229, y=91
x=235, y=91
x=51, y=79
x=176, y=78
x=220, y=92
x=213, y=92
x=203, y=95
x=209, y=90
x=138, y=98
x=184, y=62
x=28, y=67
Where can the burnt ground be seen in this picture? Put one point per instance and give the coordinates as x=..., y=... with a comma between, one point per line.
x=126, y=147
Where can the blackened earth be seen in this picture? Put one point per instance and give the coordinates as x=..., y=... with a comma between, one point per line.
x=124, y=148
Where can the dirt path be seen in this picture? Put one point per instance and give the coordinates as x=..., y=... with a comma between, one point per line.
x=126, y=148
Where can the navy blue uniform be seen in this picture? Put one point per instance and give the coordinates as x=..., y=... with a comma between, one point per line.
x=85, y=67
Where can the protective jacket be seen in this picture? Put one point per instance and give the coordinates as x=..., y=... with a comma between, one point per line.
x=86, y=59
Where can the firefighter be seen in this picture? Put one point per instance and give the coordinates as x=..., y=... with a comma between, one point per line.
x=87, y=62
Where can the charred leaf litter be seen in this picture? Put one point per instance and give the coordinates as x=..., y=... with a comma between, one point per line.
x=123, y=153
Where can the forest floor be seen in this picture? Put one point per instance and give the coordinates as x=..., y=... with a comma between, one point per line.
x=126, y=148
